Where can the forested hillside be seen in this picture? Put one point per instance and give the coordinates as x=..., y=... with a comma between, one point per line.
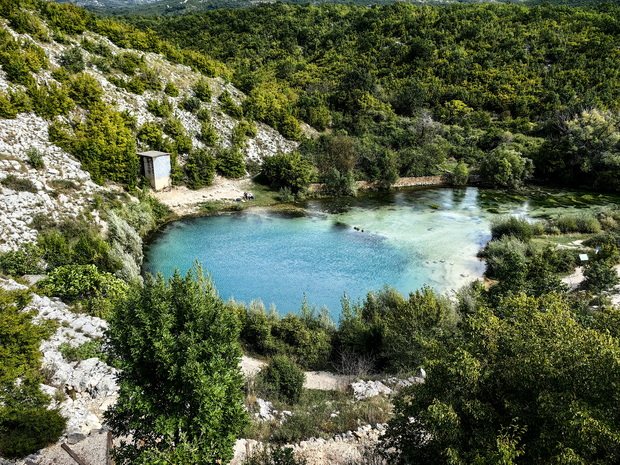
x=517, y=370
x=412, y=90
x=183, y=7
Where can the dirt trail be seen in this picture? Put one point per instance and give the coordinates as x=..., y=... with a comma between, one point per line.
x=184, y=201
x=322, y=380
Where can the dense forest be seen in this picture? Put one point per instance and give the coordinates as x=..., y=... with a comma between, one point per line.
x=412, y=90
x=519, y=369
x=183, y=7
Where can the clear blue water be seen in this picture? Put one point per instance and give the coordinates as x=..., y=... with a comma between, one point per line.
x=405, y=239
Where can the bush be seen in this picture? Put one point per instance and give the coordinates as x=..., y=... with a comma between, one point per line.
x=84, y=351
x=288, y=170
x=73, y=60
x=229, y=107
x=84, y=283
x=581, y=223
x=283, y=378
x=519, y=228
x=85, y=90
x=151, y=134
x=27, y=430
x=103, y=143
x=127, y=62
x=202, y=91
x=207, y=133
x=191, y=104
x=18, y=184
x=13, y=103
x=35, y=158
x=26, y=260
x=162, y=109
x=49, y=100
x=171, y=89
x=241, y=131
x=274, y=456
x=203, y=115
x=174, y=128
x=199, y=169
x=506, y=258
x=230, y=163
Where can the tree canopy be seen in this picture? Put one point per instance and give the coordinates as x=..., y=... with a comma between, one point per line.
x=180, y=388
x=525, y=383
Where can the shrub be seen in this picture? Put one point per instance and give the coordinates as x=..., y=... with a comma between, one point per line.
x=26, y=260
x=73, y=60
x=283, y=378
x=174, y=128
x=587, y=223
x=49, y=100
x=127, y=62
x=26, y=430
x=229, y=107
x=506, y=257
x=171, y=89
x=82, y=282
x=241, y=131
x=98, y=48
x=288, y=170
x=207, y=133
x=84, y=351
x=203, y=115
x=191, y=104
x=202, y=91
x=581, y=223
x=13, y=103
x=102, y=64
x=519, y=228
x=162, y=109
x=183, y=144
x=85, y=90
x=103, y=143
x=199, y=169
x=151, y=134
x=274, y=456
x=18, y=184
x=35, y=158
x=230, y=163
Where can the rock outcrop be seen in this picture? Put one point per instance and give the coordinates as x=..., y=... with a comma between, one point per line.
x=82, y=390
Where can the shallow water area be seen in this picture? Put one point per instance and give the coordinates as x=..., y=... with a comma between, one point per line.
x=405, y=238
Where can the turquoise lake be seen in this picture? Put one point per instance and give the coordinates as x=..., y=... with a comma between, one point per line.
x=404, y=238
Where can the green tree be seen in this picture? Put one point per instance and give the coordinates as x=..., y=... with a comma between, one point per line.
x=72, y=60
x=202, y=91
x=288, y=170
x=525, y=383
x=180, y=394
x=199, y=169
x=505, y=167
x=85, y=90
x=460, y=176
x=230, y=163
x=284, y=378
x=103, y=143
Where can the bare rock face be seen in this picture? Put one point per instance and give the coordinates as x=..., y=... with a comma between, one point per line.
x=62, y=189
x=82, y=390
x=18, y=209
x=366, y=389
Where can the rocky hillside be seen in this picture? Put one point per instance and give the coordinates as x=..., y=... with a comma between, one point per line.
x=39, y=179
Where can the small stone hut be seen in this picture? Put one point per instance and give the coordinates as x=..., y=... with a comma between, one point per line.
x=155, y=166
